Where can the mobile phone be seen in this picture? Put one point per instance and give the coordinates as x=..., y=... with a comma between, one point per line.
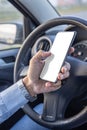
x=59, y=50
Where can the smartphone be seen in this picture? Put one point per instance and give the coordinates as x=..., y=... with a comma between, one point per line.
x=59, y=50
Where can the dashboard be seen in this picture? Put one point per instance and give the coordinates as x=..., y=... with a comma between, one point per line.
x=80, y=50
x=80, y=44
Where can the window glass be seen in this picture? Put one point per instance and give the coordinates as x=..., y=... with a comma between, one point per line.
x=71, y=7
x=11, y=26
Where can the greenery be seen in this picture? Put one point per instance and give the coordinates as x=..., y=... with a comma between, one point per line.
x=5, y=18
x=9, y=13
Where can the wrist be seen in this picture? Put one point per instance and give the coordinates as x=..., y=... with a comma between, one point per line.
x=28, y=95
x=29, y=86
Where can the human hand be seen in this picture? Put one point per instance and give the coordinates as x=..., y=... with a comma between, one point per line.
x=34, y=84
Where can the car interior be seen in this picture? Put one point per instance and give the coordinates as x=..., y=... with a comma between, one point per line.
x=31, y=26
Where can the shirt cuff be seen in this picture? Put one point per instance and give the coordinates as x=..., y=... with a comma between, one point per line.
x=25, y=92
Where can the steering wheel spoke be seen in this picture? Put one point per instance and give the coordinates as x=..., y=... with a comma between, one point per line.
x=56, y=103
x=54, y=106
x=50, y=106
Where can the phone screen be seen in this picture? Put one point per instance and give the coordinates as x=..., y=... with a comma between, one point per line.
x=59, y=49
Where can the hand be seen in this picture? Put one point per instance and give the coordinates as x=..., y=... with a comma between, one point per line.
x=34, y=84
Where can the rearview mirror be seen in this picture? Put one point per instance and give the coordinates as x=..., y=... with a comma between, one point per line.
x=11, y=33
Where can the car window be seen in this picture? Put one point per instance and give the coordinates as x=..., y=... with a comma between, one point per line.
x=76, y=8
x=11, y=26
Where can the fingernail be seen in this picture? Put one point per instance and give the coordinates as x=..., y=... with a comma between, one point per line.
x=47, y=84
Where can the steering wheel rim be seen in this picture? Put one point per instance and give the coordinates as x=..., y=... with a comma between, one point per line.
x=60, y=123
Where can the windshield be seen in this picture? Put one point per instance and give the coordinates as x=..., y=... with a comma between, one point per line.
x=76, y=8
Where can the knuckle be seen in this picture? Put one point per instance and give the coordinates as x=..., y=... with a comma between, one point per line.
x=67, y=74
x=40, y=52
x=68, y=66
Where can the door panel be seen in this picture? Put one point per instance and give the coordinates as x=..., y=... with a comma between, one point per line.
x=7, y=60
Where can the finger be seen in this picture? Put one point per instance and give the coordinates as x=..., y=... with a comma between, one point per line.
x=63, y=76
x=66, y=67
x=71, y=50
x=42, y=55
x=58, y=84
x=49, y=86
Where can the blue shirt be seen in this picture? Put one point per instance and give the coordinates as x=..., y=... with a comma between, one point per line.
x=11, y=100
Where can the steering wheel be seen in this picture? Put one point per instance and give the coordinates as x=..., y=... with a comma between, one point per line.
x=55, y=103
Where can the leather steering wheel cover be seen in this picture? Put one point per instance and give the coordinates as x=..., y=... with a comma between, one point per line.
x=68, y=123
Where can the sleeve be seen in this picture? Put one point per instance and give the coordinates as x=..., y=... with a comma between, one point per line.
x=11, y=100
